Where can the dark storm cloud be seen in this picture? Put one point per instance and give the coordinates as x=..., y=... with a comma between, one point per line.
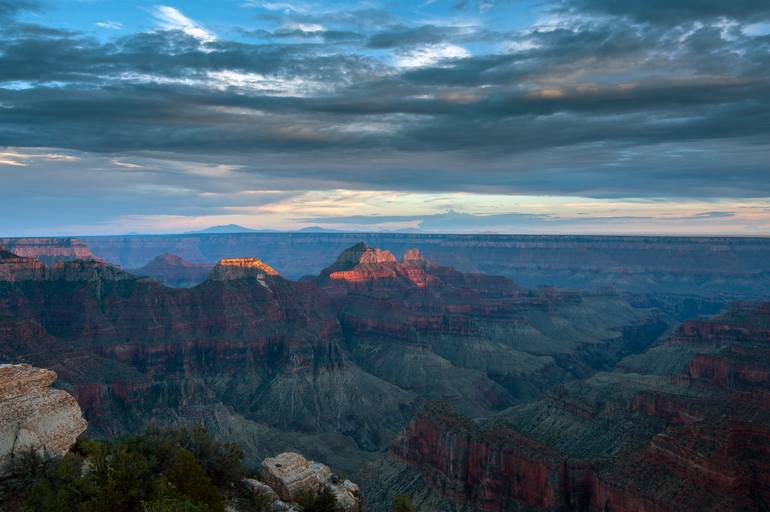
x=673, y=11
x=601, y=107
x=11, y=7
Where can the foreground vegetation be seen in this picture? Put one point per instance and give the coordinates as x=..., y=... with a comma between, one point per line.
x=180, y=470
x=160, y=470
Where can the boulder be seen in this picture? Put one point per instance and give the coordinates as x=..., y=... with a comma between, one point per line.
x=291, y=475
x=34, y=417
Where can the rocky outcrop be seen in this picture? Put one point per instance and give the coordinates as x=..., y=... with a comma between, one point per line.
x=359, y=264
x=33, y=416
x=18, y=268
x=15, y=268
x=241, y=268
x=48, y=250
x=362, y=268
x=293, y=477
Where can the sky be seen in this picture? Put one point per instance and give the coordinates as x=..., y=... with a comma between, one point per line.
x=493, y=116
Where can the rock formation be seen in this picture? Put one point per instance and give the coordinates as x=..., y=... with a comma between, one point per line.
x=292, y=476
x=48, y=250
x=240, y=268
x=33, y=416
x=18, y=268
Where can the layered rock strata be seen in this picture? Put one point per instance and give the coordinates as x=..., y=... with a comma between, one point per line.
x=292, y=477
x=33, y=416
x=683, y=426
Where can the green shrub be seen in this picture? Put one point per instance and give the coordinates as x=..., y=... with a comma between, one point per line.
x=173, y=505
x=189, y=479
x=402, y=504
x=223, y=462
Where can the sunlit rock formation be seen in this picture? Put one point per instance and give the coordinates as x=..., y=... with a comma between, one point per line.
x=239, y=268
x=48, y=250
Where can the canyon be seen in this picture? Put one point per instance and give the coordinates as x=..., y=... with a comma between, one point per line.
x=684, y=425
x=465, y=390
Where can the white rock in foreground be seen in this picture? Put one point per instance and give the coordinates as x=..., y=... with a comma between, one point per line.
x=33, y=416
x=291, y=476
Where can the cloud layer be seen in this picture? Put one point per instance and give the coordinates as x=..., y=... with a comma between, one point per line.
x=594, y=98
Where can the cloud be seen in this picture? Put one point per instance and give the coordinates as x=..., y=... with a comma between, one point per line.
x=19, y=159
x=430, y=55
x=170, y=18
x=600, y=105
x=9, y=8
x=452, y=221
x=276, y=6
x=481, y=5
x=125, y=165
x=111, y=25
x=405, y=36
x=310, y=28
x=672, y=12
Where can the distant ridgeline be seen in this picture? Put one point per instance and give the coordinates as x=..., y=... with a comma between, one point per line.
x=699, y=265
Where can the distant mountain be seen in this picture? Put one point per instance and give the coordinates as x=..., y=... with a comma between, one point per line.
x=316, y=229
x=173, y=271
x=228, y=228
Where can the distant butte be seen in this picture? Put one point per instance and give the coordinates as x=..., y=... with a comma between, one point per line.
x=253, y=263
x=240, y=268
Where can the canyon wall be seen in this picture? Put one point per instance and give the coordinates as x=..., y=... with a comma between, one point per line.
x=647, y=437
